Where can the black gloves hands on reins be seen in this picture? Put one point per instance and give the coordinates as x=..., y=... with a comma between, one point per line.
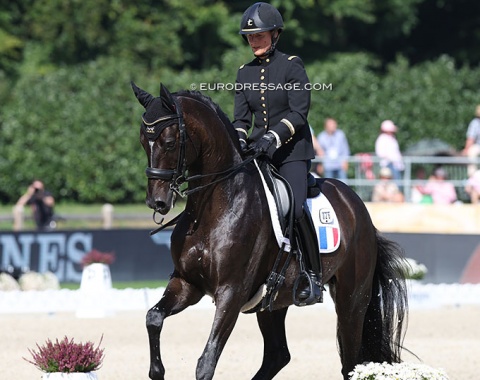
x=242, y=137
x=243, y=146
x=266, y=145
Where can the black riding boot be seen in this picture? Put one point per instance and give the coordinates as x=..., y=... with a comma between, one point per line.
x=310, y=253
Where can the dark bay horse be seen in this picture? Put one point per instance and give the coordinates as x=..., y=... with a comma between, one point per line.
x=223, y=244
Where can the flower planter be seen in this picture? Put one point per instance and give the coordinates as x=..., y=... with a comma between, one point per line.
x=96, y=277
x=65, y=356
x=95, y=287
x=70, y=376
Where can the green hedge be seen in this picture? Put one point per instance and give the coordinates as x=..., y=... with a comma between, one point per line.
x=77, y=127
x=431, y=100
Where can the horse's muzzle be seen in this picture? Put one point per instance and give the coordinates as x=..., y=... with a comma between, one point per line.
x=158, y=205
x=161, y=205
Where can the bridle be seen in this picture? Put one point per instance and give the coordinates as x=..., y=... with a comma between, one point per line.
x=178, y=176
x=152, y=130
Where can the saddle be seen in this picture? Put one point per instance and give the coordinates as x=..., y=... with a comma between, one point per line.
x=280, y=198
x=281, y=191
x=282, y=194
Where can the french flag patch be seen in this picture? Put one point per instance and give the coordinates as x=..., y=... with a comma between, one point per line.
x=325, y=222
x=327, y=237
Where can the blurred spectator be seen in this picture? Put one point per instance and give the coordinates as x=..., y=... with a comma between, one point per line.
x=441, y=191
x=417, y=195
x=41, y=202
x=388, y=150
x=472, y=143
x=316, y=145
x=386, y=190
x=472, y=187
x=366, y=165
x=317, y=168
x=336, y=151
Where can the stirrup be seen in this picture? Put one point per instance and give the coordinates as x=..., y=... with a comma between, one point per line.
x=314, y=289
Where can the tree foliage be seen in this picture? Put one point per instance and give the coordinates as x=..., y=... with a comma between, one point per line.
x=76, y=129
x=69, y=117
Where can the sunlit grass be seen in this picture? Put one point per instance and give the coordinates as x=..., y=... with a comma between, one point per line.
x=89, y=216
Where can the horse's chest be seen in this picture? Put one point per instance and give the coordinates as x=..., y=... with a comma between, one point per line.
x=192, y=258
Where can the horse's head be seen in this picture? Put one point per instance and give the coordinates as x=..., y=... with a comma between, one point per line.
x=163, y=139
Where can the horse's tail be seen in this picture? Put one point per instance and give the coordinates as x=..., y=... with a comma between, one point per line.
x=386, y=318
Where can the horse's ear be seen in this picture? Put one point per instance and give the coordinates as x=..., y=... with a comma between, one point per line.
x=167, y=98
x=143, y=96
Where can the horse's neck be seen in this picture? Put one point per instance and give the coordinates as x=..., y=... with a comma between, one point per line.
x=216, y=152
x=240, y=189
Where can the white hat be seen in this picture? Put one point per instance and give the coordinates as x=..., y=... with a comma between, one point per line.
x=385, y=172
x=388, y=126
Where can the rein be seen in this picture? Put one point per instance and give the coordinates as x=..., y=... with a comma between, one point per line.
x=226, y=174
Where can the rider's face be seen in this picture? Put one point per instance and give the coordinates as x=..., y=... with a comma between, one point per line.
x=260, y=42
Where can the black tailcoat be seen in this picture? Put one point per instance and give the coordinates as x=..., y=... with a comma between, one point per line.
x=275, y=93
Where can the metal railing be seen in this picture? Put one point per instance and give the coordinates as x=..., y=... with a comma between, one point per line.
x=361, y=164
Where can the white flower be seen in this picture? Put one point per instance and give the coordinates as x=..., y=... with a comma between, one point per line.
x=30, y=281
x=50, y=281
x=7, y=282
x=414, y=270
x=396, y=371
x=38, y=281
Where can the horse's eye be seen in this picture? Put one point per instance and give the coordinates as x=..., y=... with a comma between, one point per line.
x=169, y=144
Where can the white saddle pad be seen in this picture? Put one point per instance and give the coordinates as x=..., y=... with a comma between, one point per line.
x=273, y=211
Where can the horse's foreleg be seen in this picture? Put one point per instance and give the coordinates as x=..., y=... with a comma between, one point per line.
x=275, y=349
x=177, y=296
x=226, y=315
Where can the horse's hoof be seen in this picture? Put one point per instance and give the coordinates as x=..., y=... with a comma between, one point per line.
x=157, y=374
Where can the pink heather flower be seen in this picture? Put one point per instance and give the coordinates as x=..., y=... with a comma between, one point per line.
x=95, y=256
x=67, y=356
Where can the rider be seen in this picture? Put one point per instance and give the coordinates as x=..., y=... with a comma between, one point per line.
x=274, y=89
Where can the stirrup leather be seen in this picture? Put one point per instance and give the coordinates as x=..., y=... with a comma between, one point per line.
x=308, y=256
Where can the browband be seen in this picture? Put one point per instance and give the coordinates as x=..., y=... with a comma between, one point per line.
x=152, y=129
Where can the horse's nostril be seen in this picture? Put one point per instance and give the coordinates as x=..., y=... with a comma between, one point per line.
x=160, y=205
x=155, y=204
